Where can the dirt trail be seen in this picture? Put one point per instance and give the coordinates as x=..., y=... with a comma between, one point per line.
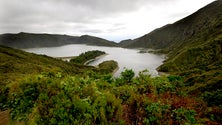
x=4, y=117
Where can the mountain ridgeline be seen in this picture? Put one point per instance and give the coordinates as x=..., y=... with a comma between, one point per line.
x=30, y=40
x=194, y=29
x=193, y=46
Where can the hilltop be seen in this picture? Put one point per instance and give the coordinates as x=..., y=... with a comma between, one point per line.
x=29, y=40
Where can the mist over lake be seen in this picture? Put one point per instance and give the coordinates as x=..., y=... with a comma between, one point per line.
x=126, y=58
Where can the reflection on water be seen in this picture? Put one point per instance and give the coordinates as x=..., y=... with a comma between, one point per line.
x=126, y=58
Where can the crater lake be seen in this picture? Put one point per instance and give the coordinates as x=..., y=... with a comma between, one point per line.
x=126, y=58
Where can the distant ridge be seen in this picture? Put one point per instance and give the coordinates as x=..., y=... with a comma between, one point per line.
x=31, y=40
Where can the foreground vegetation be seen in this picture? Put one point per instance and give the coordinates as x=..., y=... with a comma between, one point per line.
x=55, y=98
x=16, y=65
x=37, y=89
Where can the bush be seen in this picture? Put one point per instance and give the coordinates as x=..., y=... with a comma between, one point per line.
x=157, y=113
x=92, y=98
x=213, y=98
x=163, y=85
x=182, y=116
x=177, y=80
x=127, y=75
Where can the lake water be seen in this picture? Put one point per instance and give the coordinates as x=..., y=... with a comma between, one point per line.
x=126, y=58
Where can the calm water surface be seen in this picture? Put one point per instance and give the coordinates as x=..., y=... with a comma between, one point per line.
x=126, y=58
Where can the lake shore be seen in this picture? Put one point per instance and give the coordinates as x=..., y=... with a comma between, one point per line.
x=115, y=70
x=65, y=58
x=91, y=60
x=163, y=74
x=129, y=58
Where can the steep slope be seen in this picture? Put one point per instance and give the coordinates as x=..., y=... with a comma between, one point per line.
x=200, y=65
x=29, y=40
x=193, y=46
x=182, y=32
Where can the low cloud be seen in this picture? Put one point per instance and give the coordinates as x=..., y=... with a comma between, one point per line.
x=79, y=16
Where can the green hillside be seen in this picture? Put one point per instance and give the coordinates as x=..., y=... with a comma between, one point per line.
x=16, y=64
x=193, y=46
x=30, y=40
x=194, y=29
x=201, y=66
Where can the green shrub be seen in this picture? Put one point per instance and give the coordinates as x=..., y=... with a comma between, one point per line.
x=177, y=80
x=157, y=113
x=136, y=107
x=163, y=85
x=127, y=75
x=213, y=98
x=183, y=116
x=123, y=92
x=107, y=109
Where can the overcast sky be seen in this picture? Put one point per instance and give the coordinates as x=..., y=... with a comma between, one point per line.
x=110, y=19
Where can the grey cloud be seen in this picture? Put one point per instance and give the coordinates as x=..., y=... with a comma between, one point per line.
x=65, y=15
x=115, y=28
x=91, y=31
x=68, y=10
